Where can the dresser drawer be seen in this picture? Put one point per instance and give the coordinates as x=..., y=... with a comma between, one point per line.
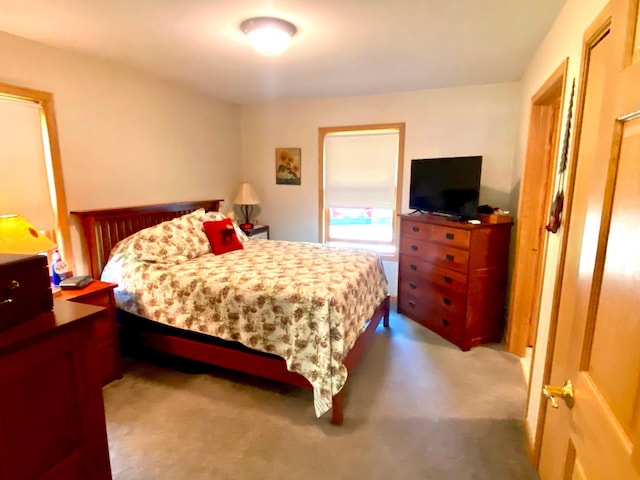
x=413, y=284
x=441, y=255
x=415, y=270
x=449, y=257
x=447, y=324
x=447, y=301
x=415, y=229
x=451, y=236
x=431, y=315
x=411, y=304
x=416, y=247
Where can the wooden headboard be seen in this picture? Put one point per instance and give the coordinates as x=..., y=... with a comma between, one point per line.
x=102, y=229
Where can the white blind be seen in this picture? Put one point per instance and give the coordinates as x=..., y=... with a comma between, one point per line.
x=360, y=169
x=24, y=184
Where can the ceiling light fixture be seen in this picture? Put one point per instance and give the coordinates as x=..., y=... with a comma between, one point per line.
x=268, y=35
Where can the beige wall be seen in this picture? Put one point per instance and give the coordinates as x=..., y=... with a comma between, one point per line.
x=479, y=120
x=563, y=40
x=126, y=137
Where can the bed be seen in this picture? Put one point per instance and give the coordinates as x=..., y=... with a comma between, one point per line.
x=187, y=313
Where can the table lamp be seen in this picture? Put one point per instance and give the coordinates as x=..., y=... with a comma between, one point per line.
x=246, y=198
x=19, y=236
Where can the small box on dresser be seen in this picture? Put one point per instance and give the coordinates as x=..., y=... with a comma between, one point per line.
x=452, y=277
x=25, y=288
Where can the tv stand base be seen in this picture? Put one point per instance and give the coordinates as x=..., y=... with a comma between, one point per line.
x=446, y=216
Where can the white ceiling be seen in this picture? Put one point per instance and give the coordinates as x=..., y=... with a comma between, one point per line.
x=343, y=47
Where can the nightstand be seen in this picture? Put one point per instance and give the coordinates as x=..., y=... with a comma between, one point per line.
x=106, y=338
x=258, y=231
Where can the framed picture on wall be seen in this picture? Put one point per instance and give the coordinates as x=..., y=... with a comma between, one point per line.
x=288, y=166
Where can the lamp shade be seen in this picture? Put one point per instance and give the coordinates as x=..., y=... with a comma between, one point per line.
x=246, y=195
x=19, y=236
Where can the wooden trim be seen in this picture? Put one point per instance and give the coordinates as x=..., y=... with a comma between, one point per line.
x=399, y=184
x=603, y=238
x=323, y=224
x=54, y=163
x=530, y=446
x=629, y=11
x=535, y=197
x=322, y=133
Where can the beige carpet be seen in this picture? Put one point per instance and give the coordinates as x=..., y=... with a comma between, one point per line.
x=416, y=408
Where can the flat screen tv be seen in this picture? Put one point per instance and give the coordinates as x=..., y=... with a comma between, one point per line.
x=446, y=186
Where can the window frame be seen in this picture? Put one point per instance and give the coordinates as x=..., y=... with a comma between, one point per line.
x=61, y=232
x=323, y=221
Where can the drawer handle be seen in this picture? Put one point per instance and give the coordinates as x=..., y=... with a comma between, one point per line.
x=448, y=280
x=13, y=285
x=449, y=236
x=449, y=257
x=413, y=267
x=445, y=322
x=414, y=248
x=446, y=301
x=412, y=286
x=415, y=229
x=412, y=304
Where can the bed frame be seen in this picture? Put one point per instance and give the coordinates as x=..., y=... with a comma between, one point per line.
x=102, y=229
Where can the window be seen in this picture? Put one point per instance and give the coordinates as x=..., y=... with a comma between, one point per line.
x=32, y=184
x=361, y=175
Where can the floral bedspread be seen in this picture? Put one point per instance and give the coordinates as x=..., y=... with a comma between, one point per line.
x=306, y=303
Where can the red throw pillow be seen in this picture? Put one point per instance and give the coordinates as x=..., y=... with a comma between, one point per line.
x=222, y=236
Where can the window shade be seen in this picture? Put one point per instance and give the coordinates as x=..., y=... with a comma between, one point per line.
x=360, y=169
x=24, y=184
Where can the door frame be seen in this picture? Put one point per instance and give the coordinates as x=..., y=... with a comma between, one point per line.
x=535, y=198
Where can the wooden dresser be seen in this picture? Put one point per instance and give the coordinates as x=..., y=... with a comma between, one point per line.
x=452, y=277
x=52, y=422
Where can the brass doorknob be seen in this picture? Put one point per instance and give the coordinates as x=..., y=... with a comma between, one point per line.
x=565, y=391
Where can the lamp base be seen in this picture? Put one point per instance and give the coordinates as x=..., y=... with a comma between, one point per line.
x=247, y=211
x=246, y=226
